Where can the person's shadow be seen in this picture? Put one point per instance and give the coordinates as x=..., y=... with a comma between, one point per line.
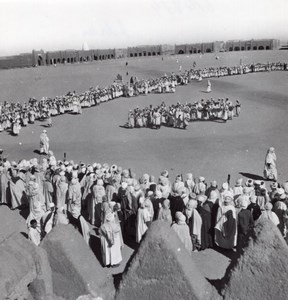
x=252, y=176
x=37, y=152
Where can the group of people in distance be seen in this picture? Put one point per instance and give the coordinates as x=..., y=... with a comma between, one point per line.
x=179, y=115
x=122, y=206
x=14, y=115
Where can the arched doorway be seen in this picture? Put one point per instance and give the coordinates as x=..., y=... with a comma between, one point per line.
x=149, y=53
x=58, y=61
x=267, y=48
x=81, y=59
x=180, y=51
x=68, y=60
x=195, y=51
x=254, y=48
x=40, y=60
x=237, y=49
x=230, y=49
x=55, y=61
x=261, y=48
x=208, y=50
x=63, y=61
x=131, y=54
x=242, y=48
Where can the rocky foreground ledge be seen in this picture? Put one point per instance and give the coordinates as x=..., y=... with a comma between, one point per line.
x=64, y=267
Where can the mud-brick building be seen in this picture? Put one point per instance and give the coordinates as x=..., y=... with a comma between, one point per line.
x=215, y=46
x=144, y=51
x=120, y=53
x=73, y=56
x=250, y=45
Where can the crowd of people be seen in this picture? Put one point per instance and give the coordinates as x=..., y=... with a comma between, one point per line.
x=179, y=115
x=122, y=206
x=14, y=115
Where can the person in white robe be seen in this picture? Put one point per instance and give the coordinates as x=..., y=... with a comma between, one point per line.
x=143, y=217
x=34, y=199
x=194, y=222
x=48, y=220
x=34, y=232
x=269, y=214
x=111, y=244
x=182, y=230
x=74, y=198
x=17, y=190
x=270, y=171
x=61, y=193
x=208, y=86
x=94, y=205
x=44, y=142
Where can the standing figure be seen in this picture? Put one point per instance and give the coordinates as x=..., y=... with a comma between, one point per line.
x=131, y=120
x=208, y=86
x=44, y=142
x=226, y=224
x=16, y=127
x=238, y=108
x=111, y=243
x=270, y=171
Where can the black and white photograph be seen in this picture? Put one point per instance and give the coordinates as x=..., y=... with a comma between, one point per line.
x=143, y=150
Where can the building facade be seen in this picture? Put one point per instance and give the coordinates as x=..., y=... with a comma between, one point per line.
x=41, y=58
x=252, y=45
x=144, y=51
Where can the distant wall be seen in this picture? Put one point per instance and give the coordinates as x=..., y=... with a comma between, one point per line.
x=220, y=46
x=250, y=45
x=16, y=61
x=144, y=51
x=41, y=58
x=73, y=56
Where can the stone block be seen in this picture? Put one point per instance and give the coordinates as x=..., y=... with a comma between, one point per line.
x=163, y=269
x=261, y=271
x=75, y=269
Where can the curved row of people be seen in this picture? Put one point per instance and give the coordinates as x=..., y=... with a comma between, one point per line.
x=179, y=115
x=14, y=115
x=122, y=207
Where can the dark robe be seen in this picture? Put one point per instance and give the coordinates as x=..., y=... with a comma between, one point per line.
x=176, y=204
x=255, y=210
x=213, y=214
x=245, y=223
x=205, y=213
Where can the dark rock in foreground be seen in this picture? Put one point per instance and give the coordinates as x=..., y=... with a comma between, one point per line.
x=261, y=271
x=163, y=269
x=24, y=270
x=75, y=269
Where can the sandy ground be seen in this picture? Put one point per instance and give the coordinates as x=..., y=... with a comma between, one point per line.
x=209, y=149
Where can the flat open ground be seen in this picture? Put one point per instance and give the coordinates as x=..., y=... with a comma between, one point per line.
x=210, y=149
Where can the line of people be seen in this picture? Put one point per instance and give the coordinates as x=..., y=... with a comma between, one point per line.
x=14, y=115
x=179, y=115
x=122, y=207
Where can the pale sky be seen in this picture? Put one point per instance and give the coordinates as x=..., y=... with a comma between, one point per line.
x=67, y=24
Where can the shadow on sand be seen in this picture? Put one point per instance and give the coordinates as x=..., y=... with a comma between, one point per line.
x=252, y=176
